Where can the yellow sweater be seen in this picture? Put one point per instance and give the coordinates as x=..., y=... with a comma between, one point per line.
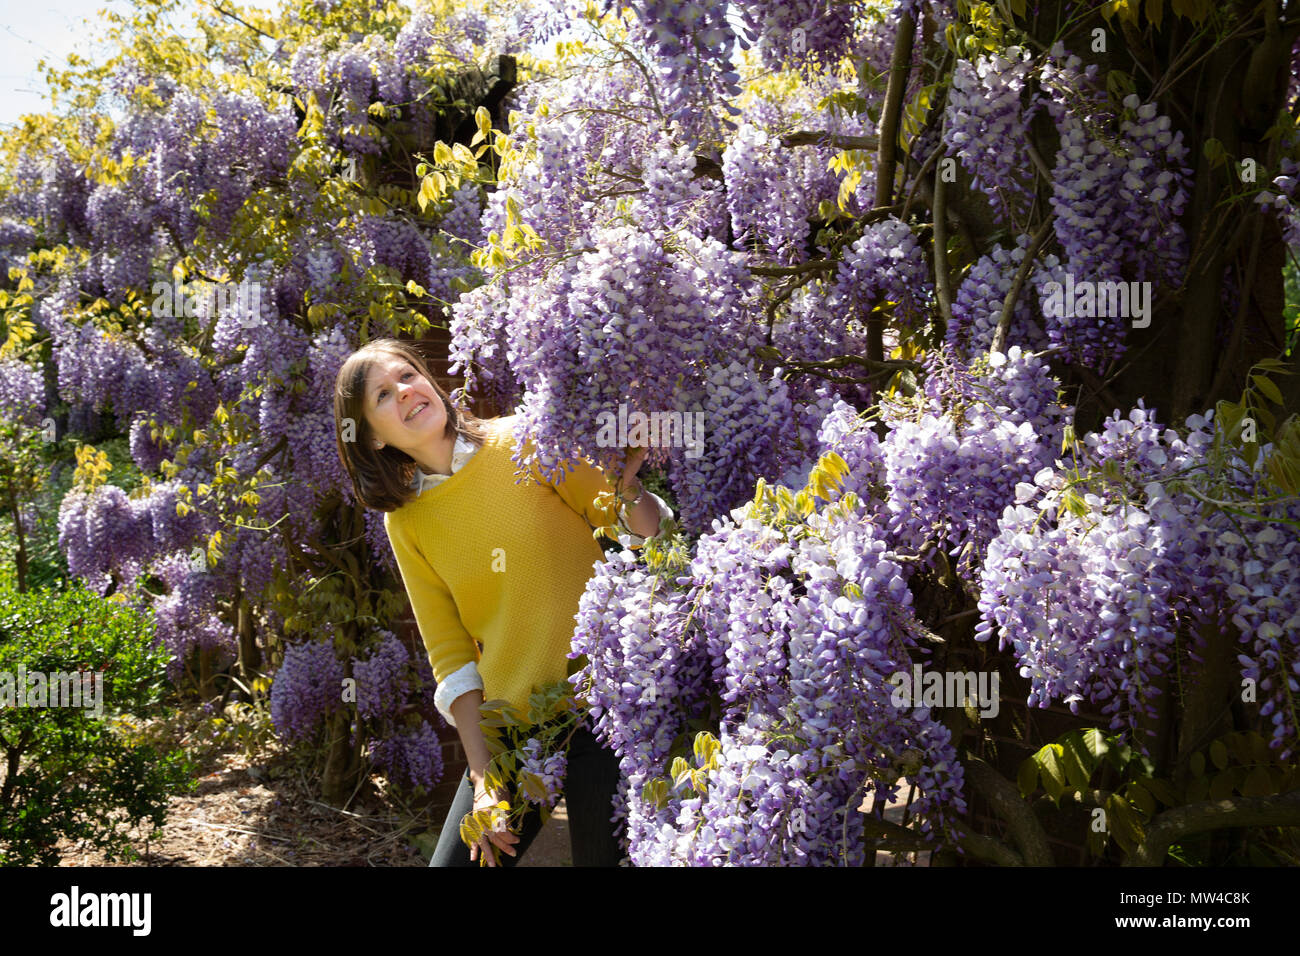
x=510, y=587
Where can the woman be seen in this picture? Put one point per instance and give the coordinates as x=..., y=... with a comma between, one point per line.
x=494, y=570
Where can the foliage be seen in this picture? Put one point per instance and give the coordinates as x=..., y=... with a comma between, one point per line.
x=640, y=221
x=528, y=758
x=71, y=770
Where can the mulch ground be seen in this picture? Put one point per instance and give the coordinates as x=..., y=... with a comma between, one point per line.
x=264, y=811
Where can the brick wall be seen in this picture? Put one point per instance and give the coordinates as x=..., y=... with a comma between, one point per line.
x=453, y=755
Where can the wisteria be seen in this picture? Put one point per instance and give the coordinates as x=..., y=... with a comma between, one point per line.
x=886, y=259
x=690, y=46
x=549, y=770
x=308, y=687
x=977, y=306
x=795, y=32
x=642, y=232
x=379, y=678
x=648, y=313
x=22, y=391
x=795, y=635
x=392, y=684
x=952, y=458
x=413, y=759
x=103, y=532
x=1096, y=584
x=772, y=192
x=746, y=414
x=983, y=115
x=1117, y=197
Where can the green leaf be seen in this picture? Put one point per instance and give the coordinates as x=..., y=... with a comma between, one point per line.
x=1197, y=764
x=1213, y=149
x=1258, y=783
x=1119, y=84
x=1162, y=789
x=1075, y=771
x=1067, y=438
x=1074, y=504
x=1155, y=12
x=1124, y=823
x=1053, y=770
x=680, y=771
x=1229, y=416
x=1096, y=841
x=1266, y=417
x=1238, y=748
x=1141, y=798
x=1219, y=754
x=1027, y=777
x=1222, y=785
x=1270, y=390
x=1094, y=740
x=1276, y=366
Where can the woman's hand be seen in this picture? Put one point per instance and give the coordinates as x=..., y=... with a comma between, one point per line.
x=503, y=839
x=635, y=458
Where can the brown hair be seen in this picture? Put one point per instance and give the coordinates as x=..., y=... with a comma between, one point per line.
x=381, y=477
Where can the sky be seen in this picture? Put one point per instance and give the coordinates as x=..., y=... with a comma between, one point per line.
x=51, y=29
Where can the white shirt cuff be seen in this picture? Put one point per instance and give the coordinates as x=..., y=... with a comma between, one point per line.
x=458, y=682
x=627, y=538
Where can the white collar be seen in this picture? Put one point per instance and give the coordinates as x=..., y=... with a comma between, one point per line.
x=461, y=453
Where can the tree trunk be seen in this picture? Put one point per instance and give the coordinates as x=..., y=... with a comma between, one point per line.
x=21, y=557
x=250, y=656
x=343, y=764
x=207, y=677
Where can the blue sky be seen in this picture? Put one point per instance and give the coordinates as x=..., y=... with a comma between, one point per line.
x=51, y=29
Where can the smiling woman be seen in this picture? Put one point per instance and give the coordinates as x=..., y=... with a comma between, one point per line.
x=377, y=388
x=495, y=564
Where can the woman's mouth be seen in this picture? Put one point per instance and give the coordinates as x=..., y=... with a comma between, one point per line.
x=417, y=410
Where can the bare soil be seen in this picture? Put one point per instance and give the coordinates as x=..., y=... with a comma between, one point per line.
x=264, y=811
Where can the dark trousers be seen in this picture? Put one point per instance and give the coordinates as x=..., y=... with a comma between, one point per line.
x=590, y=782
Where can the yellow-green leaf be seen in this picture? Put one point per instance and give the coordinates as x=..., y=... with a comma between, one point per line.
x=1270, y=390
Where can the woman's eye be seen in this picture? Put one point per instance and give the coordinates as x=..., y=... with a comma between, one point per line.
x=383, y=392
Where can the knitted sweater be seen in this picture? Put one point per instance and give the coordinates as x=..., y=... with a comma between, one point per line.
x=501, y=596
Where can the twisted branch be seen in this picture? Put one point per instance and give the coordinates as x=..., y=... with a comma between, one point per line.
x=1002, y=795
x=812, y=137
x=1009, y=304
x=1172, y=825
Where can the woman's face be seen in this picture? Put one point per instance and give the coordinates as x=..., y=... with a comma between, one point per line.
x=402, y=408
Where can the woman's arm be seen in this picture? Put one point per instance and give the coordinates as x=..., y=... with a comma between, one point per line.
x=465, y=709
x=642, y=519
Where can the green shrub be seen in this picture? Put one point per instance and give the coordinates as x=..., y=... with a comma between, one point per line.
x=70, y=770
